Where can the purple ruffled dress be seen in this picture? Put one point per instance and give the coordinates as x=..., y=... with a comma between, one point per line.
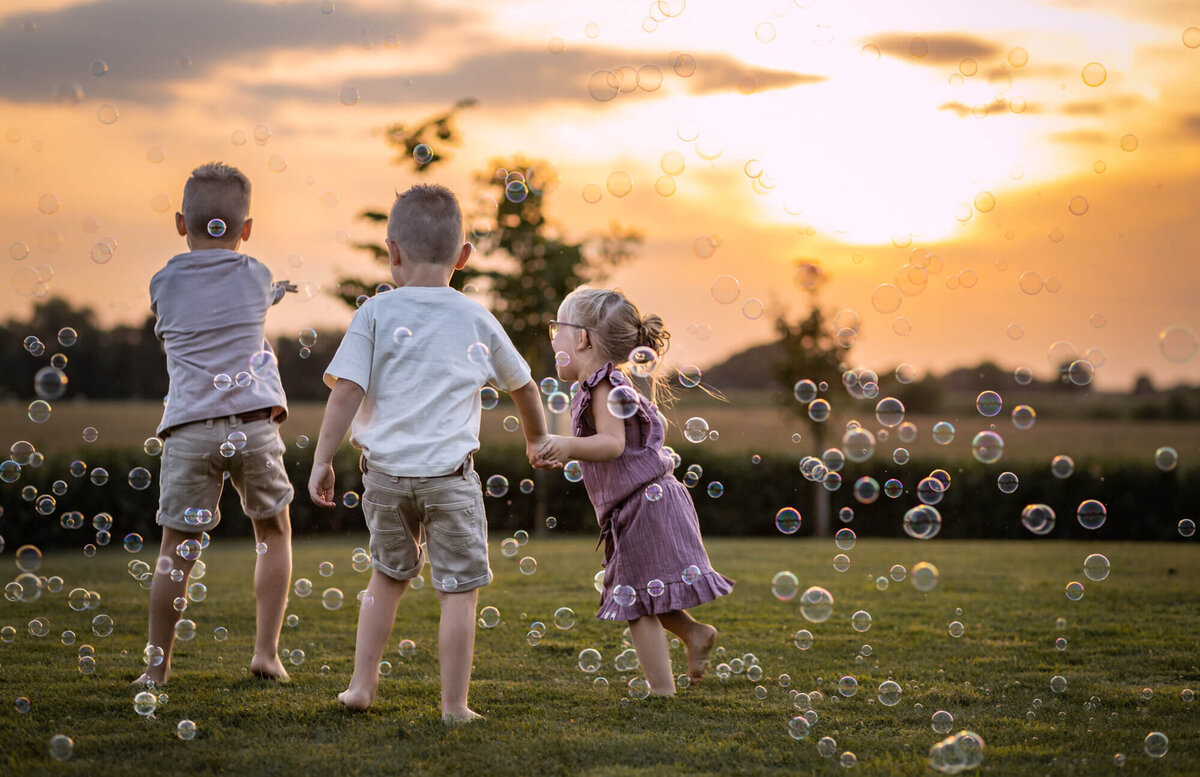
x=654, y=559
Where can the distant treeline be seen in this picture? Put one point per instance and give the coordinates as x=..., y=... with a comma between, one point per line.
x=127, y=362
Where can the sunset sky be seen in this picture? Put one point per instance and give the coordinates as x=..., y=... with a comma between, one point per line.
x=937, y=147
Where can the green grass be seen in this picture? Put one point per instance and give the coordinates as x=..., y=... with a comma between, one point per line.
x=1135, y=630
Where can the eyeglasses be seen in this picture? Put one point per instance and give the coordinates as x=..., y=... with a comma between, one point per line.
x=554, y=325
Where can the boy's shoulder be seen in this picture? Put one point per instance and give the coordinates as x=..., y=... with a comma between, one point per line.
x=397, y=301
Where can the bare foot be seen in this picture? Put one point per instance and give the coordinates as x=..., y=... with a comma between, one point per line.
x=356, y=699
x=268, y=668
x=464, y=715
x=699, y=648
x=146, y=681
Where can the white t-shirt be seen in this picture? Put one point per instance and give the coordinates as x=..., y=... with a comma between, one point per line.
x=211, y=307
x=422, y=353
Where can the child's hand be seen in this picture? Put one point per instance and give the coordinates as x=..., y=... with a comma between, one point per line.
x=553, y=451
x=532, y=447
x=280, y=288
x=320, y=485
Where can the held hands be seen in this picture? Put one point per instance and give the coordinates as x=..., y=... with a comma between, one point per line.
x=320, y=485
x=553, y=451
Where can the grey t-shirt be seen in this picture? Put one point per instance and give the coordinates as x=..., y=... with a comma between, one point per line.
x=421, y=354
x=211, y=307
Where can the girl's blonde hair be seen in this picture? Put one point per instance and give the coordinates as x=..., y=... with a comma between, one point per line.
x=616, y=327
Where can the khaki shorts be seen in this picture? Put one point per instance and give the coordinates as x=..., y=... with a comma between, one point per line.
x=193, y=473
x=400, y=510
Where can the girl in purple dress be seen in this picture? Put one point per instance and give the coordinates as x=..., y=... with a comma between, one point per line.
x=655, y=565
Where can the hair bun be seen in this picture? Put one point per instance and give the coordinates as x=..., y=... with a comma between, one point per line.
x=652, y=334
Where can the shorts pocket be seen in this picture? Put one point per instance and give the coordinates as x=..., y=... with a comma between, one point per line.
x=455, y=525
x=267, y=459
x=182, y=468
x=386, y=527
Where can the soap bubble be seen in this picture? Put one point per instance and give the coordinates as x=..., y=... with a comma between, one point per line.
x=847, y=686
x=1024, y=417
x=1074, y=590
x=1062, y=467
x=1038, y=518
x=623, y=402
x=816, y=604
x=941, y=722
x=924, y=576
x=61, y=747
x=589, y=660
x=564, y=618
x=1166, y=458
x=922, y=522
x=943, y=432
x=988, y=403
x=497, y=486
x=1091, y=514
x=784, y=586
x=787, y=520
x=1156, y=744
x=144, y=703
x=1096, y=567
x=489, y=617
x=695, y=429
x=987, y=447
x=331, y=598
x=889, y=693
x=139, y=478
x=889, y=412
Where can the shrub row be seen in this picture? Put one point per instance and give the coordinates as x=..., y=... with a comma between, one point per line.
x=1143, y=503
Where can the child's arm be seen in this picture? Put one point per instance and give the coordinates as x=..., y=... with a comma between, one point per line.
x=343, y=403
x=606, y=444
x=533, y=418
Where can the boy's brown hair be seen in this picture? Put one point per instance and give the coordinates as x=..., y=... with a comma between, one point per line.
x=426, y=223
x=216, y=191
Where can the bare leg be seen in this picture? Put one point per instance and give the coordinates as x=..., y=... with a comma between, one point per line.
x=375, y=621
x=456, y=650
x=650, y=642
x=163, y=593
x=272, y=578
x=698, y=638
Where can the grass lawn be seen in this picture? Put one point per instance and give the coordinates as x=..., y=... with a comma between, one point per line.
x=1136, y=630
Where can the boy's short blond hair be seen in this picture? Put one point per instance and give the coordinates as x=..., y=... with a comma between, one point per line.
x=426, y=223
x=216, y=191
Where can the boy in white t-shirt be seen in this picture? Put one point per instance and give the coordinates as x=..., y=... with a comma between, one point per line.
x=408, y=372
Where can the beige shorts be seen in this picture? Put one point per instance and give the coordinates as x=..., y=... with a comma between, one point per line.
x=194, y=470
x=400, y=511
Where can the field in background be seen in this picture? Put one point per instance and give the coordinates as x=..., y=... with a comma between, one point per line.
x=1134, y=631
x=748, y=423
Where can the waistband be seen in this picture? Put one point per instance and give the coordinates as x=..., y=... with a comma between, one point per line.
x=249, y=416
x=466, y=468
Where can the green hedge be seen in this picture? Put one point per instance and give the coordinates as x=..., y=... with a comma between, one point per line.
x=1143, y=503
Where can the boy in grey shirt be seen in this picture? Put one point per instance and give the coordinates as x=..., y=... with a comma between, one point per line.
x=222, y=412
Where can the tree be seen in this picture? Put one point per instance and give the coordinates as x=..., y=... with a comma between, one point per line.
x=810, y=349
x=530, y=265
